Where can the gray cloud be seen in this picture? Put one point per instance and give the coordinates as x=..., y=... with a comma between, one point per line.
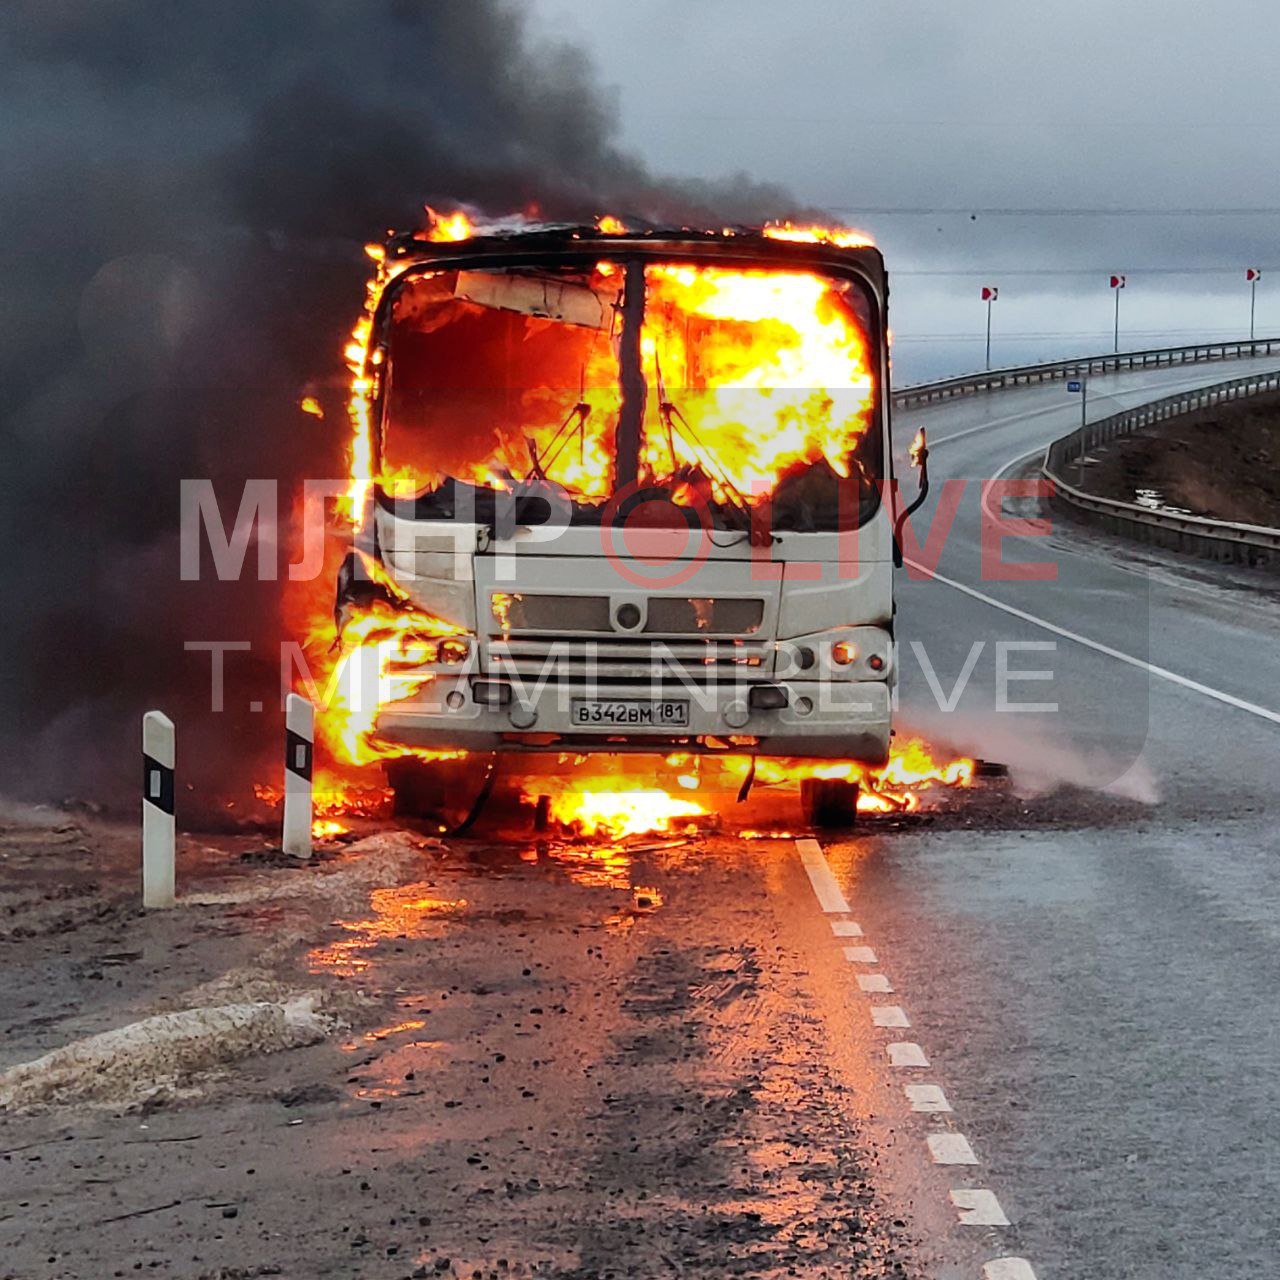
x=863, y=105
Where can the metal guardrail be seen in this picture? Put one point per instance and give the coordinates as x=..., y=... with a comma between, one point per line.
x=1218, y=539
x=1055, y=370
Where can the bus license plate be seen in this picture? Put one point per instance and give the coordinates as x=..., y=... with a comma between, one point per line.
x=630, y=711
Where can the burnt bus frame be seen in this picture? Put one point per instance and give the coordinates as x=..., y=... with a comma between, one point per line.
x=584, y=246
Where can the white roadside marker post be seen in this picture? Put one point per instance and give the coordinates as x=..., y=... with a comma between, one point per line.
x=299, y=739
x=157, y=810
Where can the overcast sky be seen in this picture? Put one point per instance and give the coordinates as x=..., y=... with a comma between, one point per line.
x=1002, y=105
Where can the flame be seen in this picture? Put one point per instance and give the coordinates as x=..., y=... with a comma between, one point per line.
x=501, y=602
x=327, y=828
x=762, y=360
x=842, y=237
x=359, y=406
x=384, y=650
x=446, y=227
x=918, y=448
x=389, y=649
x=608, y=225
x=624, y=795
x=309, y=404
x=615, y=804
x=333, y=796
x=894, y=787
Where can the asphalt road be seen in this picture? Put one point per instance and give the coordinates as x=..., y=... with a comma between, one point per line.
x=1100, y=1004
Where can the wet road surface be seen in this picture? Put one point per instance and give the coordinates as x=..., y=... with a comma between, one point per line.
x=1105, y=1002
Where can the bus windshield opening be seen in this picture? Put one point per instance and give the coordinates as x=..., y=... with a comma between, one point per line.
x=757, y=386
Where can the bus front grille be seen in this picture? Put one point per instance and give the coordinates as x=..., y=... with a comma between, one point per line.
x=561, y=612
x=627, y=659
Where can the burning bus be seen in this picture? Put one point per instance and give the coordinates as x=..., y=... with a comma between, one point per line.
x=620, y=490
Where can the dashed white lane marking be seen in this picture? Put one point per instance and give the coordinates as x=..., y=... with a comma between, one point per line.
x=1185, y=682
x=979, y=1209
x=889, y=1015
x=1008, y=1269
x=907, y=1054
x=846, y=928
x=976, y=1207
x=927, y=1097
x=951, y=1148
x=830, y=898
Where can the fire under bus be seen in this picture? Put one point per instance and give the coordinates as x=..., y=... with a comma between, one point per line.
x=638, y=485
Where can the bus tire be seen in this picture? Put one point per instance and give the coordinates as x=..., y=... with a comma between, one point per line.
x=829, y=804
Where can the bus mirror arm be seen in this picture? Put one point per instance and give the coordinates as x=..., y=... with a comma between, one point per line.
x=920, y=459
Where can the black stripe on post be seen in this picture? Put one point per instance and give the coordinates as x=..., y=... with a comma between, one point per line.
x=297, y=755
x=157, y=784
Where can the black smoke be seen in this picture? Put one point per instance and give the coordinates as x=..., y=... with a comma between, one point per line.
x=187, y=190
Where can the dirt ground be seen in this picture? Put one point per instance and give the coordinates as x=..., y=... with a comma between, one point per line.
x=501, y=1056
x=1223, y=463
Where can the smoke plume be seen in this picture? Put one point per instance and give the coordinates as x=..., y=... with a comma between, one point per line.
x=189, y=187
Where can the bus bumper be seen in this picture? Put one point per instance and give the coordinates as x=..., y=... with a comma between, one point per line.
x=846, y=720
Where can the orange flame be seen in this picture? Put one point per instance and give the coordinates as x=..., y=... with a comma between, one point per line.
x=444, y=227
x=333, y=796
x=621, y=796
x=842, y=237
x=768, y=366
x=611, y=806
x=917, y=449
x=892, y=787
x=327, y=828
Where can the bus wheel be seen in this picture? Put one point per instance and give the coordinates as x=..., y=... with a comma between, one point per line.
x=829, y=803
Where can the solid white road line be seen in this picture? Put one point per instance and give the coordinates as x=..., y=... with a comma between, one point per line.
x=997, y=422
x=951, y=1148
x=846, y=928
x=988, y=486
x=875, y=984
x=830, y=898
x=1008, y=1269
x=979, y=1209
x=860, y=955
x=927, y=1097
x=1164, y=673
x=907, y=1054
x=889, y=1015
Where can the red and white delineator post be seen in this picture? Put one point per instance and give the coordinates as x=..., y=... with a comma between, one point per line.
x=158, y=754
x=299, y=748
